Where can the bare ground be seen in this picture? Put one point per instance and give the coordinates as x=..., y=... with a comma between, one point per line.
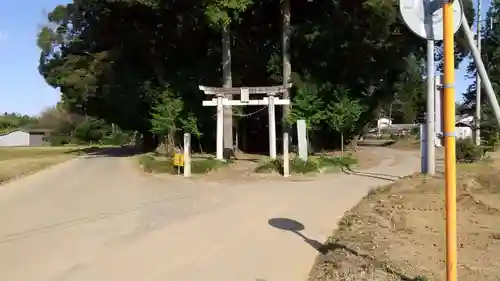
x=397, y=232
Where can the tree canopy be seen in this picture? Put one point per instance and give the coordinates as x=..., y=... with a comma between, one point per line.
x=114, y=59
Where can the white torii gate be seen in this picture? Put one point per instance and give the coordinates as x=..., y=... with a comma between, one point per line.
x=222, y=100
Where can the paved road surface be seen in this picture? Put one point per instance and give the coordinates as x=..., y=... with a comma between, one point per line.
x=99, y=219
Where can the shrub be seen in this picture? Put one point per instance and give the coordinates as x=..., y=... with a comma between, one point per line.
x=312, y=165
x=58, y=140
x=467, y=152
x=270, y=165
x=341, y=161
x=152, y=165
x=203, y=166
x=300, y=166
x=116, y=138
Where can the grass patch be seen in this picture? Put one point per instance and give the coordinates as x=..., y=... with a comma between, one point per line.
x=314, y=164
x=396, y=231
x=155, y=164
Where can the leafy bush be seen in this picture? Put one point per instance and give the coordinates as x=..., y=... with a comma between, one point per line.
x=312, y=165
x=152, y=164
x=116, y=138
x=270, y=165
x=300, y=166
x=342, y=161
x=467, y=152
x=203, y=166
x=58, y=140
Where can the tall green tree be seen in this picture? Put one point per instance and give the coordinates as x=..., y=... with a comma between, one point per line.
x=343, y=114
x=165, y=120
x=112, y=58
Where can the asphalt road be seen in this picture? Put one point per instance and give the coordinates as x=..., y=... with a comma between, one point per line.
x=98, y=218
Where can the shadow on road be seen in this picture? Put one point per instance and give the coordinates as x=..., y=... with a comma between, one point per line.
x=123, y=151
x=349, y=171
x=295, y=227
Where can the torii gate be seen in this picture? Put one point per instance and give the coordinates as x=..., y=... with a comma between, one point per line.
x=222, y=100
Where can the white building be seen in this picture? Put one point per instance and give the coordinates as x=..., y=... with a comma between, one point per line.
x=384, y=122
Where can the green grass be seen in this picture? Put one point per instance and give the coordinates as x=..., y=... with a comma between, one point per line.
x=152, y=164
x=8, y=153
x=19, y=161
x=314, y=164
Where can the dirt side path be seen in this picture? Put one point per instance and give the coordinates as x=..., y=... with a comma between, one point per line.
x=99, y=219
x=397, y=233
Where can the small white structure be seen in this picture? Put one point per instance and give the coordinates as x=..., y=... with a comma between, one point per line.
x=463, y=126
x=384, y=122
x=23, y=137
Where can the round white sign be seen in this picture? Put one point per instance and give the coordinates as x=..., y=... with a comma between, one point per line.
x=425, y=17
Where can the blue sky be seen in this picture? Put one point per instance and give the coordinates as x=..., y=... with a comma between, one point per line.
x=461, y=82
x=22, y=89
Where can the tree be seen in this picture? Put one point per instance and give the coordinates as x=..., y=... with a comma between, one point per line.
x=343, y=114
x=491, y=59
x=112, y=58
x=190, y=125
x=165, y=119
x=221, y=13
x=307, y=105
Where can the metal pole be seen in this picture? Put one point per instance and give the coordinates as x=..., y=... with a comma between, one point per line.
x=481, y=69
x=220, y=128
x=423, y=148
x=286, y=157
x=431, y=151
x=272, y=127
x=449, y=136
x=478, y=78
x=438, y=109
x=187, y=155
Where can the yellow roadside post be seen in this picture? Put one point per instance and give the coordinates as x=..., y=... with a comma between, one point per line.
x=178, y=161
x=449, y=136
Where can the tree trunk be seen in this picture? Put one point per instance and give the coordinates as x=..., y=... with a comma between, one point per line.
x=170, y=143
x=342, y=144
x=149, y=141
x=200, y=146
x=354, y=142
x=227, y=83
x=287, y=67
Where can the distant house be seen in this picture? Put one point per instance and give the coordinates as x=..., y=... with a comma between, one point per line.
x=24, y=137
x=463, y=124
x=384, y=122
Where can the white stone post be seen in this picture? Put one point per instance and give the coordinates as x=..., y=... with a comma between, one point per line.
x=272, y=127
x=220, y=128
x=286, y=156
x=187, y=155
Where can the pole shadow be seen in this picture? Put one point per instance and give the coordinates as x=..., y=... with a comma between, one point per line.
x=296, y=228
x=349, y=171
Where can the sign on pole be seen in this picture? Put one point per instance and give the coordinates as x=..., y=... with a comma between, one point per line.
x=425, y=17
